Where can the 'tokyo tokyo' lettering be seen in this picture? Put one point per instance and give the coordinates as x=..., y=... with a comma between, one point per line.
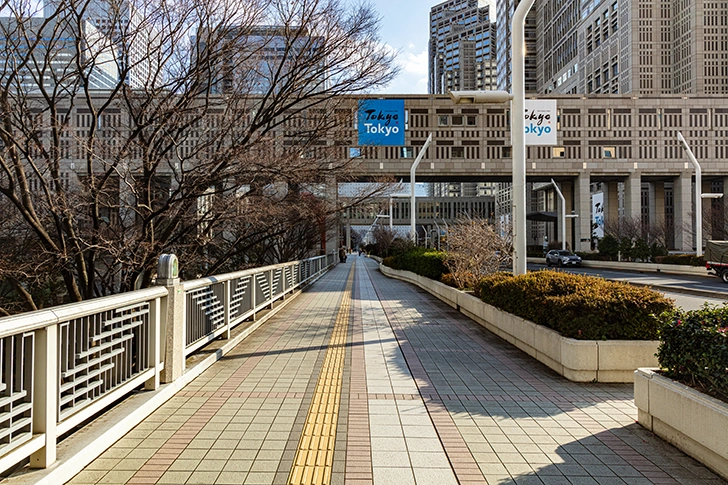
x=539, y=118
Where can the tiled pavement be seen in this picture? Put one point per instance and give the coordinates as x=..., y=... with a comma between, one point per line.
x=424, y=396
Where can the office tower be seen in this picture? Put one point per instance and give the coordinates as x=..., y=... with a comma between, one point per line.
x=641, y=47
x=462, y=50
x=506, y=9
x=50, y=54
x=128, y=26
x=261, y=56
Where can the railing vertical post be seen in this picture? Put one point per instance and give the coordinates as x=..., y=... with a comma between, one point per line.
x=155, y=335
x=253, y=295
x=45, y=390
x=270, y=288
x=174, y=349
x=226, y=306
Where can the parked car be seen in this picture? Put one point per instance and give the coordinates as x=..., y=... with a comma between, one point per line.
x=562, y=257
x=716, y=258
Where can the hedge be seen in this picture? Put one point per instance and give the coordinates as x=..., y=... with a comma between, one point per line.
x=578, y=306
x=422, y=261
x=681, y=259
x=694, y=349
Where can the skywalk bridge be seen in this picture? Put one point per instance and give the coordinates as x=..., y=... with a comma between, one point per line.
x=330, y=374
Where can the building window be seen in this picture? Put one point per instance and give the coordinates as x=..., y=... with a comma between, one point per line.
x=470, y=120
x=443, y=120
x=457, y=120
x=354, y=152
x=458, y=152
x=609, y=152
x=408, y=152
x=507, y=152
x=558, y=152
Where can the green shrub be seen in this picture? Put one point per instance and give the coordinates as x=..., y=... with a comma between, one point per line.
x=577, y=306
x=694, y=348
x=422, y=261
x=682, y=259
x=609, y=247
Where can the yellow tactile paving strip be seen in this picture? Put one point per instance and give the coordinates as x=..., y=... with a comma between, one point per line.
x=315, y=454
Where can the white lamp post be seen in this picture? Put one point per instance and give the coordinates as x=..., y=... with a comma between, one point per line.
x=563, y=214
x=413, y=200
x=518, y=137
x=698, y=196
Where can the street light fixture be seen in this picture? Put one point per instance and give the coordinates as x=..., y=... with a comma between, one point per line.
x=698, y=196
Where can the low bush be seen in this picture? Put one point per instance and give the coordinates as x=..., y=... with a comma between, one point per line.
x=683, y=259
x=694, y=349
x=422, y=261
x=578, y=306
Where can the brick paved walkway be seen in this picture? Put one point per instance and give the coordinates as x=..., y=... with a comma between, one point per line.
x=425, y=396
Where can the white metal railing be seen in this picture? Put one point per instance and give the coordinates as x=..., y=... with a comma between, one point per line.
x=63, y=365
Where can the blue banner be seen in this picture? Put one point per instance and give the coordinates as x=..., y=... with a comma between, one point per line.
x=381, y=122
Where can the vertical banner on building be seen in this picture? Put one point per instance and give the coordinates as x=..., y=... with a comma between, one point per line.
x=598, y=214
x=381, y=122
x=540, y=121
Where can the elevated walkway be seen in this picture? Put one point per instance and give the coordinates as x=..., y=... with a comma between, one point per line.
x=366, y=380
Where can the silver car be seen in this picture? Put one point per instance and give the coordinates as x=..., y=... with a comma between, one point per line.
x=561, y=257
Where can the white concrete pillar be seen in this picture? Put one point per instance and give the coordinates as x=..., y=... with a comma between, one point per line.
x=172, y=319
x=683, y=201
x=633, y=196
x=45, y=399
x=582, y=201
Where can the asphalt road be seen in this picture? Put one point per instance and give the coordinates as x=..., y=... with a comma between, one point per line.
x=689, y=292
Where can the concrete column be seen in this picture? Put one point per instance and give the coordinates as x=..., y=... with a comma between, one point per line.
x=706, y=213
x=45, y=399
x=683, y=200
x=582, y=224
x=658, y=218
x=348, y=233
x=567, y=190
x=633, y=196
x=172, y=319
x=611, y=200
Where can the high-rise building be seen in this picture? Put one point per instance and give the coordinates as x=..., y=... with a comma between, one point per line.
x=253, y=59
x=506, y=9
x=48, y=54
x=632, y=47
x=462, y=46
x=126, y=26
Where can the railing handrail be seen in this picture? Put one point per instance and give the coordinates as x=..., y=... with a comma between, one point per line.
x=201, y=282
x=35, y=320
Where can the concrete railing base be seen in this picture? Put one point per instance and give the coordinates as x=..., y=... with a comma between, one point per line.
x=577, y=360
x=690, y=420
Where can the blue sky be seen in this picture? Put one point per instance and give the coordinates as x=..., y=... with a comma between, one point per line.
x=405, y=28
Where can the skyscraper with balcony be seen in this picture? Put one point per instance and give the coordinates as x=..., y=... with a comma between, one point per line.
x=462, y=47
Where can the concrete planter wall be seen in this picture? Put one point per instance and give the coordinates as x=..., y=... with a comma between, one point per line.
x=577, y=360
x=690, y=420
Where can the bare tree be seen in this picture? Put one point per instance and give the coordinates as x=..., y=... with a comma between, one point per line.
x=128, y=130
x=476, y=248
